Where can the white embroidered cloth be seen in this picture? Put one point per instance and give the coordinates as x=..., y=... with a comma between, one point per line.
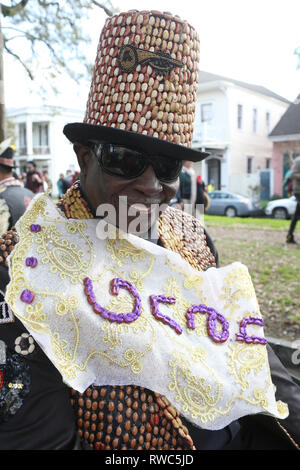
x=210, y=383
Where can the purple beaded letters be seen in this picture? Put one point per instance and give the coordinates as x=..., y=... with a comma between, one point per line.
x=244, y=337
x=116, y=284
x=213, y=315
x=211, y=322
x=154, y=301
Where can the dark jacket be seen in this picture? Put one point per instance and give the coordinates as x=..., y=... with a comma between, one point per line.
x=14, y=200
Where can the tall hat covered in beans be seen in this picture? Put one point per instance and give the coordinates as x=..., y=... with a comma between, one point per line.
x=144, y=86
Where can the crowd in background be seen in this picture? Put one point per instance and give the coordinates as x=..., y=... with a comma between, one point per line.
x=39, y=181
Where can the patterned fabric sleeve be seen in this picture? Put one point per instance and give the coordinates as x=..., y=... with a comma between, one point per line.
x=4, y=216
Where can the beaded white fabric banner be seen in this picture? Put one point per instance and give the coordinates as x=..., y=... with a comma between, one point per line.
x=126, y=311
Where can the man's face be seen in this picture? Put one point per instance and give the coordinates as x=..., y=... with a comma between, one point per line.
x=30, y=167
x=101, y=188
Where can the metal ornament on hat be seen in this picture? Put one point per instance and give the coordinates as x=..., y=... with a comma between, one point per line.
x=130, y=57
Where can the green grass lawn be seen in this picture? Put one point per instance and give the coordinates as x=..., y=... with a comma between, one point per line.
x=274, y=266
x=260, y=223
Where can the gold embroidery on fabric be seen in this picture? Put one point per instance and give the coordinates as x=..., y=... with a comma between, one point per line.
x=190, y=282
x=282, y=408
x=179, y=309
x=181, y=305
x=197, y=397
x=114, y=339
x=64, y=257
x=202, y=400
x=137, y=278
x=260, y=397
x=35, y=312
x=237, y=285
x=17, y=278
x=134, y=359
x=122, y=251
x=245, y=359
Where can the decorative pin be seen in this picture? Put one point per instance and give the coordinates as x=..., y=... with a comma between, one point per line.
x=6, y=314
x=24, y=344
x=130, y=57
x=27, y=296
x=35, y=228
x=31, y=262
x=2, y=352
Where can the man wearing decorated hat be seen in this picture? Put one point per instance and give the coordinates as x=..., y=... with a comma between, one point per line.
x=113, y=341
x=14, y=198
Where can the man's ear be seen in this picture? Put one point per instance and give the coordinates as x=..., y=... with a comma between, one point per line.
x=83, y=157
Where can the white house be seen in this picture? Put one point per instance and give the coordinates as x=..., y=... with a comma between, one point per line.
x=233, y=120
x=39, y=137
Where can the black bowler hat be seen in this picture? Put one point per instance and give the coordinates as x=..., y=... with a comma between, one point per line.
x=7, y=153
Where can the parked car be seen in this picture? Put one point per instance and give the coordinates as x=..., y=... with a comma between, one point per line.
x=232, y=205
x=281, y=208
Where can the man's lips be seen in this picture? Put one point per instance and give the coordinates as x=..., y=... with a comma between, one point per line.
x=140, y=206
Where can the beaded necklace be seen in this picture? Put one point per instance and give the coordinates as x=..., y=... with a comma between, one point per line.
x=74, y=205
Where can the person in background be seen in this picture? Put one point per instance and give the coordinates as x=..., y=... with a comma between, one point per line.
x=202, y=196
x=23, y=178
x=287, y=185
x=69, y=178
x=295, y=176
x=187, y=191
x=191, y=189
x=62, y=185
x=14, y=198
x=75, y=177
x=211, y=186
x=48, y=185
x=34, y=178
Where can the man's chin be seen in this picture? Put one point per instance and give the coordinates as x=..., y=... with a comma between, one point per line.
x=140, y=224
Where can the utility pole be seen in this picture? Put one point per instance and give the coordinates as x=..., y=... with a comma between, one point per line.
x=2, y=107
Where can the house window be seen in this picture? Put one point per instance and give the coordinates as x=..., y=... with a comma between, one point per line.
x=239, y=116
x=22, y=139
x=40, y=138
x=268, y=163
x=250, y=165
x=268, y=122
x=206, y=112
x=254, y=120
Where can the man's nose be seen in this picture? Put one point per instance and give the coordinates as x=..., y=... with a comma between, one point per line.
x=148, y=183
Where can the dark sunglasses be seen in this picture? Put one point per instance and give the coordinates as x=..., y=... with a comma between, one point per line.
x=127, y=163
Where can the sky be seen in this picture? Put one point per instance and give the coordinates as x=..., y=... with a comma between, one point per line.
x=248, y=40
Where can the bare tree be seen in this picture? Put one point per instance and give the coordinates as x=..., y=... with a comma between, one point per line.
x=33, y=28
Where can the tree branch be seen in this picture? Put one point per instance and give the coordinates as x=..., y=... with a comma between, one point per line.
x=33, y=39
x=100, y=5
x=20, y=60
x=11, y=11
